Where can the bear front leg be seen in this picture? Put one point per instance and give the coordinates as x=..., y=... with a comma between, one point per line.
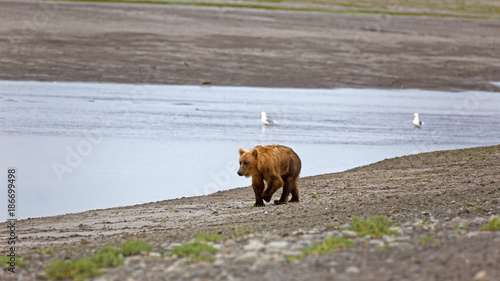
x=258, y=188
x=273, y=185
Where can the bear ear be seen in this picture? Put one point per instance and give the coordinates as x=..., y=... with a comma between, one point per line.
x=241, y=151
x=255, y=152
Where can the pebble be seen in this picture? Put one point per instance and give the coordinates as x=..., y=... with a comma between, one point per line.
x=352, y=270
x=349, y=234
x=154, y=255
x=278, y=245
x=481, y=276
x=254, y=245
x=377, y=242
x=248, y=258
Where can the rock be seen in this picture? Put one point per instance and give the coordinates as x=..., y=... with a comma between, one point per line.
x=176, y=267
x=349, y=234
x=352, y=270
x=154, y=255
x=254, y=245
x=278, y=245
x=334, y=233
x=229, y=243
x=248, y=258
x=377, y=242
x=481, y=276
x=331, y=225
x=473, y=234
x=306, y=240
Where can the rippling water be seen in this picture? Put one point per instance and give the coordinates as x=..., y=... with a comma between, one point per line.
x=81, y=146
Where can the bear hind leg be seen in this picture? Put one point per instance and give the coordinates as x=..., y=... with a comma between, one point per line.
x=273, y=185
x=295, y=191
x=287, y=189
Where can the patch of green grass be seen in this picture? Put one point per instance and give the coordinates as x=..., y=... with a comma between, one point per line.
x=195, y=251
x=328, y=246
x=426, y=239
x=376, y=227
x=107, y=256
x=76, y=270
x=46, y=251
x=84, y=268
x=314, y=195
x=472, y=204
x=292, y=258
x=134, y=247
x=240, y=230
x=6, y=259
x=493, y=225
x=209, y=237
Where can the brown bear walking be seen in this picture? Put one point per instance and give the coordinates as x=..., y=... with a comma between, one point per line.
x=278, y=165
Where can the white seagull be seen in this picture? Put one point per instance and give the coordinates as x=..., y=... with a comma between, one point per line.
x=417, y=121
x=266, y=121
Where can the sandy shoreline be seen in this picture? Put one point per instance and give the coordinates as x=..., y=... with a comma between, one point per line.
x=57, y=41
x=444, y=196
x=451, y=190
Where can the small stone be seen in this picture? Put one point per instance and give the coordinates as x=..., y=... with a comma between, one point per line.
x=352, y=270
x=481, y=276
x=229, y=243
x=176, y=267
x=278, y=244
x=154, y=255
x=349, y=234
x=377, y=242
x=248, y=258
x=331, y=226
x=254, y=245
x=473, y=234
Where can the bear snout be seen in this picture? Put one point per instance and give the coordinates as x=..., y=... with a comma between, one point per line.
x=239, y=173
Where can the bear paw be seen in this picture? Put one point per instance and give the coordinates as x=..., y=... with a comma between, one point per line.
x=259, y=204
x=266, y=197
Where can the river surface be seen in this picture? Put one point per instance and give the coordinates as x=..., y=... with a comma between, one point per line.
x=84, y=146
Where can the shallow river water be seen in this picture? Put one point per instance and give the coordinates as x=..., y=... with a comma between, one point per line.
x=83, y=146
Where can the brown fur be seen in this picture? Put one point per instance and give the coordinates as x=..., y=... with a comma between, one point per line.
x=277, y=165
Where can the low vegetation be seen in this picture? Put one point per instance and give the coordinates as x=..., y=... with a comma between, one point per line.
x=87, y=267
x=328, y=246
x=240, y=230
x=493, y=225
x=209, y=237
x=375, y=227
x=134, y=247
x=19, y=261
x=76, y=270
x=195, y=252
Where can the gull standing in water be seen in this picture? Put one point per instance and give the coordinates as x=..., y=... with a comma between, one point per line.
x=417, y=121
x=265, y=121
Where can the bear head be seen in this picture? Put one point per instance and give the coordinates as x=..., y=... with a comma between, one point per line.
x=248, y=162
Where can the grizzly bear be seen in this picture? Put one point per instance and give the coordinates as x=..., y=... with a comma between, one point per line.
x=277, y=165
